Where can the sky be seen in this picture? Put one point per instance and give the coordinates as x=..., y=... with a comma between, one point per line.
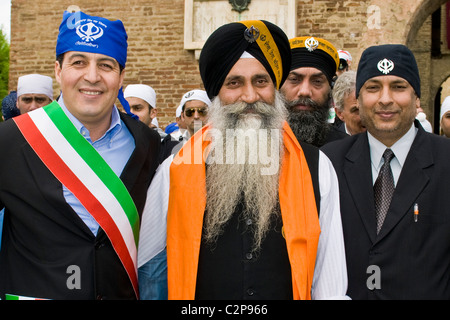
x=5, y=17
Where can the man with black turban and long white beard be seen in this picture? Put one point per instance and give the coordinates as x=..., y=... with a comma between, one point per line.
x=242, y=217
x=308, y=88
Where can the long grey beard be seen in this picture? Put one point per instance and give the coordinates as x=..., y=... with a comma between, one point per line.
x=309, y=126
x=231, y=177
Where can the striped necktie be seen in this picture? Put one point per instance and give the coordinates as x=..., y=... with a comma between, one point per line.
x=384, y=189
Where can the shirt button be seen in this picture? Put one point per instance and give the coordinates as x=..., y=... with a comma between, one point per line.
x=249, y=256
x=249, y=222
x=99, y=245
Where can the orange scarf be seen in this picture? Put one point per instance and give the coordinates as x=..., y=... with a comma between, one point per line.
x=187, y=202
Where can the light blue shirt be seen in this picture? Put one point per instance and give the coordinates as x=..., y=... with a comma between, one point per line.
x=400, y=148
x=115, y=147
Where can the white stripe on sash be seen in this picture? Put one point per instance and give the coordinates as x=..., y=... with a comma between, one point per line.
x=87, y=176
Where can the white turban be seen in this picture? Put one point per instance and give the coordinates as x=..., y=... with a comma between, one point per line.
x=200, y=95
x=35, y=84
x=141, y=91
x=445, y=107
x=178, y=111
x=345, y=55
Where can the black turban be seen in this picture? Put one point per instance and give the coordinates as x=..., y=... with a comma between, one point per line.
x=316, y=53
x=262, y=39
x=388, y=60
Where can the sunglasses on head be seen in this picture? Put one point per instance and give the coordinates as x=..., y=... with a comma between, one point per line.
x=201, y=111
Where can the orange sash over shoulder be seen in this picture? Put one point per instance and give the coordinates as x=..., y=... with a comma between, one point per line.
x=187, y=201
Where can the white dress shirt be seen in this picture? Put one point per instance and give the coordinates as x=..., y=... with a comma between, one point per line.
x=400, y=149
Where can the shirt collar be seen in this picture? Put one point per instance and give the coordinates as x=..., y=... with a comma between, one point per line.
x=113, y=129
x=400, y=148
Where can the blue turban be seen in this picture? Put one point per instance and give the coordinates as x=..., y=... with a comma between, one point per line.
x=81, y=32
x=171, y=128
x=9, y=108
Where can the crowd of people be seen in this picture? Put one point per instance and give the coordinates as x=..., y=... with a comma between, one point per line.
x=251, y=193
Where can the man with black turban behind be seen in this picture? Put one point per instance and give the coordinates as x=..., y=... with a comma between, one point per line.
x=308, y=88
x=242, y=219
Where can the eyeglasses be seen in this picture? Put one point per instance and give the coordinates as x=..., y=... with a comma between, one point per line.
x=201, y=112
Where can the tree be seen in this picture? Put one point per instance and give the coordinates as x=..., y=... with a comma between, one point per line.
x=4, y=65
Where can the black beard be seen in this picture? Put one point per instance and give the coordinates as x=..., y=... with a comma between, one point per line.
x=309, y=126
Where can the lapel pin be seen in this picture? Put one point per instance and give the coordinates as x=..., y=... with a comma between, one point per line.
x=416, y=212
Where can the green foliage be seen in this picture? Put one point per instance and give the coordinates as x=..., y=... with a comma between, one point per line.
x=4, y=65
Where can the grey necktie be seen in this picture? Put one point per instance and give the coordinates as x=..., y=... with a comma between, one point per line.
x=383, y=189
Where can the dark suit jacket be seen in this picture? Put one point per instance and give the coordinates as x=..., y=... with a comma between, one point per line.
x=43, y=236
x=413, y=257
x=334, y=134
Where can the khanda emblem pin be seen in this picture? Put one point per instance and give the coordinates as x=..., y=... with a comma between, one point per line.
x=385, y=66
x=251, y=34
x=188, y=95
x=311, y=44
x=89, y=32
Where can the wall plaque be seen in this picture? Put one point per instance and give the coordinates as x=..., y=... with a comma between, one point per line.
x=202, y=17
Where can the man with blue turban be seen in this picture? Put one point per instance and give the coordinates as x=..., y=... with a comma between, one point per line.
x=74, y=176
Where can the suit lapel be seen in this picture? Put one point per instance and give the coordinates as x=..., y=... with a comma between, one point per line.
x=51, y=190
x=358, y=175
x=134, y=165
x=413, y=179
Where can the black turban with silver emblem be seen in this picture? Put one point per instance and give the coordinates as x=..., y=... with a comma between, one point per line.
x=262, y=39
x=316, y=53
x=388, y=60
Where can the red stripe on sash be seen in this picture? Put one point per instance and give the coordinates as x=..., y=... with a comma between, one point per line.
x=65, y=175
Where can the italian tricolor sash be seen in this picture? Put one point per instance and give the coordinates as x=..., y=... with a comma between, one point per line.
x=16, y=297
x=79, y=167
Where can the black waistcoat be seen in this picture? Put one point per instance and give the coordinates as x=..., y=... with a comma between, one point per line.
x=230, y=270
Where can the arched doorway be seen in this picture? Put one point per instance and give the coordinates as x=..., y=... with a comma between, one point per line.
x=427, y=38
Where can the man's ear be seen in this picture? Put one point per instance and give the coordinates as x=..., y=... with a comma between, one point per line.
x=339, y=114
x=417, y=102
x=122, y=77
x=153, y=113
x=58, y=72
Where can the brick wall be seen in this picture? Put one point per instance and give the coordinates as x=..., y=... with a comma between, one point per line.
x=156, y=30
x=155, y=37
x=340, y=22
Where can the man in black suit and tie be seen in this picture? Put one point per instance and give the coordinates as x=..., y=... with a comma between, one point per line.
x=393, y=183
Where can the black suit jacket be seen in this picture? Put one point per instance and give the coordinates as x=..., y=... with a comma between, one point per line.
x=413, y=258
x=334, y=134
x=43, y=236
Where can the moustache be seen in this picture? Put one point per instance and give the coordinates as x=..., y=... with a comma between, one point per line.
x=242, y=110
x=305, y=102
x=258, y=107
